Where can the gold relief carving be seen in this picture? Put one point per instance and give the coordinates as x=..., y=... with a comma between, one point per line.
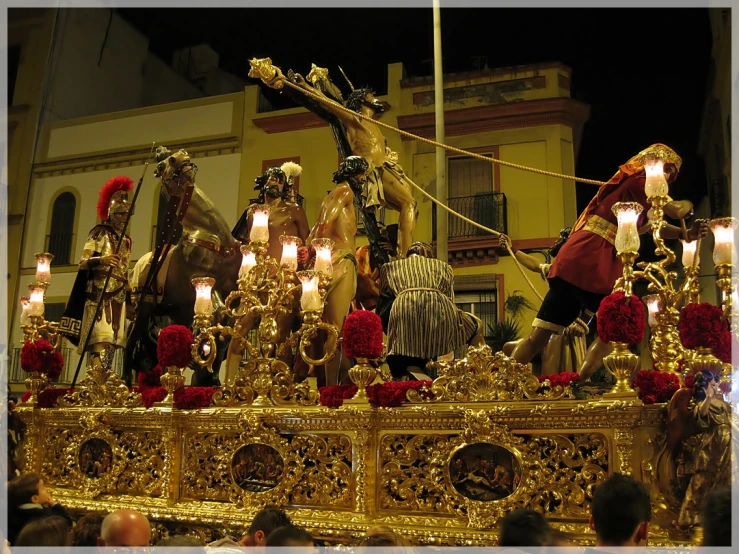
x=205, y=475
x=95, y=457
x=144, y=469
x=406, y=481
x=623, y=440
x=327, y=475
x=101, y=388
x=54, y=468
x=483, y=376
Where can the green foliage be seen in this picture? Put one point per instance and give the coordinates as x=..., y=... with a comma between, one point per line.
x=516, y=303
x=500, y=333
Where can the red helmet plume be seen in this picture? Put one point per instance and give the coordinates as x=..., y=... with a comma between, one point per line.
x=120, y=183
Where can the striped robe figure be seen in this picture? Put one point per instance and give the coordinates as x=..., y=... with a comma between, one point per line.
x=424, y=321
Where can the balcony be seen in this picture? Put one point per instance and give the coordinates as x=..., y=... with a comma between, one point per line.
x=468, y=245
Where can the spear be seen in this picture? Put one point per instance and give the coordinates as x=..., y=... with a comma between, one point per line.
x=110, y=270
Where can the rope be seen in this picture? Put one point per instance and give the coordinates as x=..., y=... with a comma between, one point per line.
x=328, y=101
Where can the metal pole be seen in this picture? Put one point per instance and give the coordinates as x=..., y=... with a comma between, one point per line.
x=442, y=217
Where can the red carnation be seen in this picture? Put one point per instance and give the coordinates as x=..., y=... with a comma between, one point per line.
x=151, y=378
x=621, y=318
x=26, y=396
x=723, y=347
x=689, y=380
x=193, y=398
x=48, y=398
x=333, y=396
x=149, y=396
x=173, y=346
x=363, y=335
x=701, y=325
x=41, y=357
x=655, y=386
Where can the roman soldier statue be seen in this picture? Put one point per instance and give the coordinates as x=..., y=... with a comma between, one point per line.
x=107, y=331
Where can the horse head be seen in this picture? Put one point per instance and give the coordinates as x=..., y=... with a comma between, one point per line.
x=175, y=170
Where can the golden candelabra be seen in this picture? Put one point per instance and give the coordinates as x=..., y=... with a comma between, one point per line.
x=33, y=324
x=267, y=292
x=669, y=296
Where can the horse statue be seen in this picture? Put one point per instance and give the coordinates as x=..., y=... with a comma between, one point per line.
x=162, y=279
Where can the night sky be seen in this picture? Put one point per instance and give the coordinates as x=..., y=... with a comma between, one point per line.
x=642, y=71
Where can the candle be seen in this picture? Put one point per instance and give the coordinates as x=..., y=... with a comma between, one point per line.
x=43, y=267
x=627, y=236
x=36, y=301
x=310, y=299
x=289, y=252
x=260, y=224
x=653, y=305
x=248, y=261
x=723, y=233
x=206, y=349
x=655, y=183
x=25, y=306
x=689, y=254
x=203, y=302
x=323, y=248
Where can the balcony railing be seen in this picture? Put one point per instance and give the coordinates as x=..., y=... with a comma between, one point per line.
x=488, y=209
x=71, y=358
x=60, y=244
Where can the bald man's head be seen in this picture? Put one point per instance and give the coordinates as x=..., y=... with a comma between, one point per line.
x=125, y=528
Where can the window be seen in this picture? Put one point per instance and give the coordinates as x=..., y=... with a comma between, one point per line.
x=470, y=182
x=14, y=57
x=483, y=304
x=59, y=241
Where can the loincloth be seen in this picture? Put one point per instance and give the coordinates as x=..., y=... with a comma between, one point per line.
x=374, y=191
x=343, y=262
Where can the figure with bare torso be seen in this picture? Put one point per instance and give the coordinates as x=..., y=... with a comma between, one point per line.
x=386, y=183
x=286, y=218
x=337, y=221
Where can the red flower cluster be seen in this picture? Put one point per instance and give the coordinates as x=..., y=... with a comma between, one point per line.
x=363, y=335
x=382, y=395
x=47, y=398
x=621, y=318
x=701, y=325
x=41, y=357
x=655, y=386
x=151, y=378
x=173, y=346
x=193, y=398
x=723, y=347
x=689, y=380
x=151, y=395
x=26, y=396
x=560, y=379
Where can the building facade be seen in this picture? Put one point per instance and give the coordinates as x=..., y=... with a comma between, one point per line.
x=523, y=115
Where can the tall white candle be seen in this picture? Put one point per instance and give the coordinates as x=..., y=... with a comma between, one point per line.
x=36, y=301
x=324, y=249
x=260, y=225
x=289, y=258
x=655, y=183
x=25, y=306
x=248, y=261
x=310, y=298
x=43, y=267
x=627, y=235
x=652, y=302
x=203, y=287
x=723, y=234
x=689, y=253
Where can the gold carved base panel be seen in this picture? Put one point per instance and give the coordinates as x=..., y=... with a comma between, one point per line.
x=440, y=474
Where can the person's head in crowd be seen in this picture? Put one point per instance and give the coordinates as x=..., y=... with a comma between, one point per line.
x=263, y=524
x=382, y=535
x=45, y=532
x=524, y=527
x=716, y=518
x=621, y=512
x=290, y=535
x=180, y=541
x=125, y=528
x=28, y=489
x=87, y=530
